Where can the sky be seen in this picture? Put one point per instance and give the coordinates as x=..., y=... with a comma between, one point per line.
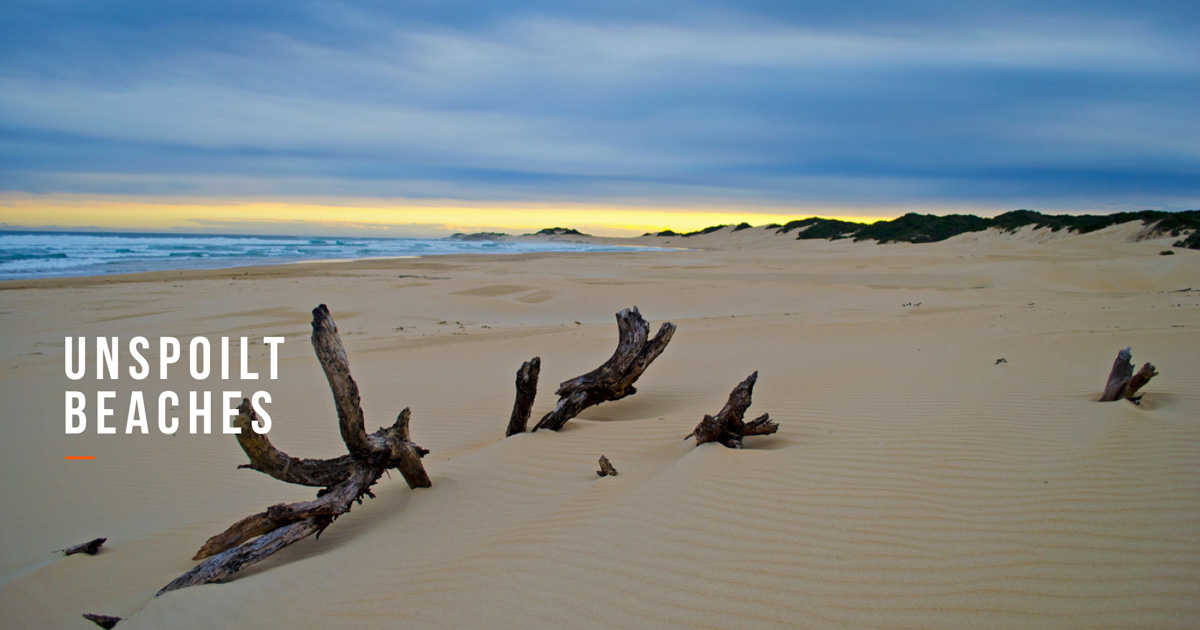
x=394, y=117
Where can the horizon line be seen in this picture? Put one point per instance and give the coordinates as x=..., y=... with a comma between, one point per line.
x=381, y=218
x=225, y=231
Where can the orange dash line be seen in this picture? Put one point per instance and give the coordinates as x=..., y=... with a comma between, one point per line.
x=81, y=457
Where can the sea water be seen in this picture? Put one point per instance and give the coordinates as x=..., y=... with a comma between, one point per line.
x=26, y=255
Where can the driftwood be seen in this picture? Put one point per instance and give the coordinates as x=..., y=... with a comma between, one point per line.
x=1122, y=382
x=108, y=622
x=90, y=547
x=527, y=380
x=606, y=468
x=345, y=480
x=614, y=379
x=727, y=426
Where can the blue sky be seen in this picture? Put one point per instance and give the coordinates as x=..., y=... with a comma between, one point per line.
x=949, y=106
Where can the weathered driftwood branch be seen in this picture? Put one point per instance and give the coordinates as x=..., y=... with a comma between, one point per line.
x=614, y=379
x=527, y=380
x=606, y=468
x=328, y=346
x=90, y=547
x=1122, y=382
x=108, y=622
x=345, y=480
x=265, y=458
x=727, y=427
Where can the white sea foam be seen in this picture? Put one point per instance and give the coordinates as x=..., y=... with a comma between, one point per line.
x=55, y=254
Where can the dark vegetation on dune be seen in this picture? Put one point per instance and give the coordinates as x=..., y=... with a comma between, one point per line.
x=479, y=236
x=930, y=228
x=708, y=230
x=1191, y=242
x=831, y=229
x=558, y=231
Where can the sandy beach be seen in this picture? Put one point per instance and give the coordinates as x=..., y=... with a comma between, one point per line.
x=916, y=481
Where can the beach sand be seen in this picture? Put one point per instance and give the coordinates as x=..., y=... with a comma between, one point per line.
x=914, y=482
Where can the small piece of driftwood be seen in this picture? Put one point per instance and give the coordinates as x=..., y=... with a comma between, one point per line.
x=727, y=427
x=606, y=468
x=345, y=480
x=527, y=380
x=1122, y=382
x=107, y=622
x=614, y=379
x=90, y=547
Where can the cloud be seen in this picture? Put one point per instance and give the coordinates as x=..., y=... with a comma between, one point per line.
x=858, y=103
x=284, y=227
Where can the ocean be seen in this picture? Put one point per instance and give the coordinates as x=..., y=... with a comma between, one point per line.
x=25, y=255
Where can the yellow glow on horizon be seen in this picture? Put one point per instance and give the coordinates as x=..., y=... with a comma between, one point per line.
x=366, y=217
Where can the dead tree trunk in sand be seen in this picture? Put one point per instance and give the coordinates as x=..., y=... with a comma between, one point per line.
x=527, y=380
x=614, y=379
x=1123, y=383
x=727, y=427
x=344, y=480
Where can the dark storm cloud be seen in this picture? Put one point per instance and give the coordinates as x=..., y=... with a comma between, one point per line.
x=850, y=104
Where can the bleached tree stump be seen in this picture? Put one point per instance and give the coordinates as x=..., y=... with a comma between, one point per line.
x=345, y=480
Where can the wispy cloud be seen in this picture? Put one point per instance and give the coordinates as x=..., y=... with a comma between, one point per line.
x=863, y=103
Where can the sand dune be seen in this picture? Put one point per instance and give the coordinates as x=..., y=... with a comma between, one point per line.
x=914, y=483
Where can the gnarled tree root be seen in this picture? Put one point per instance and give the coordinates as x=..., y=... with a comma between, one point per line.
x=1122, y=382
x=727, y=426
x=345, y=480
x=614, y=379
